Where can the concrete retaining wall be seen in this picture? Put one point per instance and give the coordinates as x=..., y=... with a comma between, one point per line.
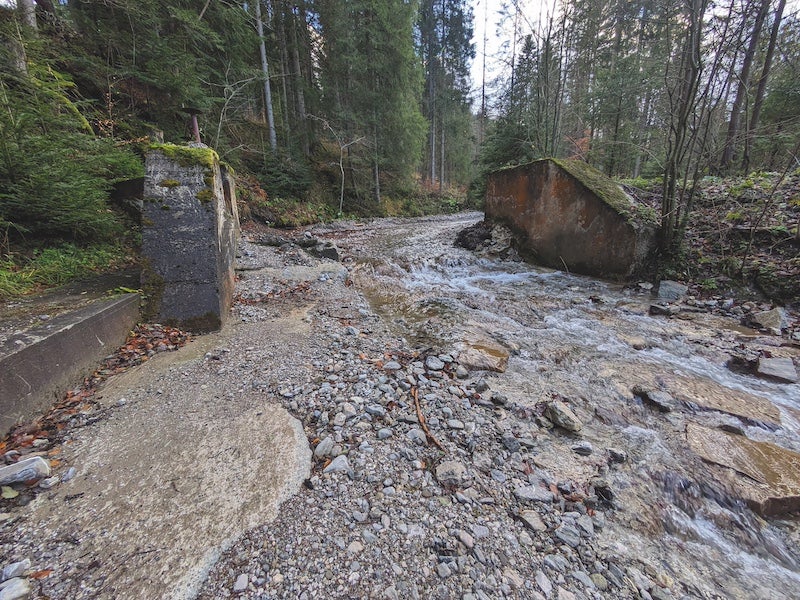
x=567, y=214
x=190, y=232
x=38, y=366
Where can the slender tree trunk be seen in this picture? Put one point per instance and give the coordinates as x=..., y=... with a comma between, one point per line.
x=299, y=94
x=27, y=11
x=273, y=142
x=731, y=140
x=762, y=86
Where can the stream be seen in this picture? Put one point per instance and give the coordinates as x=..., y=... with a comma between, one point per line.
x=590, y=342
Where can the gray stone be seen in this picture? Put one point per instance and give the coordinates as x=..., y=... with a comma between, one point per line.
x=324, y=448
x=561, y=415
x=617, y=456
x=670, y=291
x=392, y=366
x=462, y=372
x=433, y=363
x=583, y=448
x=465, y=538
x=599, y=581
x=533, y=520
x=533, y=493
x=24, y=470
x=443, y=570
x=772, y=320
x=781, y=369
x=544, y=583
x=450, y=472
x=556, y=562
x=384, y=433
x=340, y=464
x=584, y=578
x=568, y=534
x=585, y=524
x=376, y=410
x=661, y=401
x=15, y=589
x=16, y=569
x=241, y=582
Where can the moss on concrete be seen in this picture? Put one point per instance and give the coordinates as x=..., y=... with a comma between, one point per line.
x=607, y=190
x=187, y=156
x=205, y=196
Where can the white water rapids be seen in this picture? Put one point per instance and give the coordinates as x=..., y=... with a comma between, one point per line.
x=590, y=342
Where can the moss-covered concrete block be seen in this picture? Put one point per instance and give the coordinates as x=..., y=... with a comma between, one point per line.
x=190, y=231
x=567, y=214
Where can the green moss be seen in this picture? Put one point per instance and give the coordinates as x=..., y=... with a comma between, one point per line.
x=608, y=191
x=152, y=291
x=186, y=156
x=169, y=183
x=205, y=196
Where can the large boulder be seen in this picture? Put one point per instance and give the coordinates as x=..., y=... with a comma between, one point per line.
x=568, y=215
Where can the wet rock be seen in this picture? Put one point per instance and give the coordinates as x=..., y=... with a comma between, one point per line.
x=562, y=416
x=709, y=394
x=780, y=369
x=583, y=448
x=666, y=310
x=659, y=400
x=474, y=236
x=615, y=455
x=670, y=291
x=484, y=356
x=772, y=483
x=24, y=470
x=770, y=320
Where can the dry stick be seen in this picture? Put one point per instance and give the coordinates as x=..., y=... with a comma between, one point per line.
x=421, y=419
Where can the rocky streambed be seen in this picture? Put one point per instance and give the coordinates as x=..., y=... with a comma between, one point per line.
x=482, y=428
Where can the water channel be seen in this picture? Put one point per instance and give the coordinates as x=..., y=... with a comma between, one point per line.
x=590, y=342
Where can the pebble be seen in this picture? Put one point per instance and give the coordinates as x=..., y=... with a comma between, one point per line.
x=434, y=363
x=16, y=569
x=450, y=472
x=324, y=447
x=15, y=589
x=241, y=582
x=340, y=464
x=562, y=416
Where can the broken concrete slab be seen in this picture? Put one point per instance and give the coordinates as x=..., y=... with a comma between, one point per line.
x=39, y=365
x=771, y=485
x=568, y=215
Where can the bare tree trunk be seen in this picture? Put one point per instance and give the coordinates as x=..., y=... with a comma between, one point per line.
x=299, y=94
x=762, y=86
x=273, y=142
x=27, y=11
x=741, y=93
x=681, y=100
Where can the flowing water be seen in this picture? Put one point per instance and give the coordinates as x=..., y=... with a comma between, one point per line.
x=590, y=342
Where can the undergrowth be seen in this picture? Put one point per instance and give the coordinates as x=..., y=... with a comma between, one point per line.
x=49, y=267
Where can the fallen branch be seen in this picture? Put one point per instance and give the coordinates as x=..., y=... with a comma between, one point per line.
x=421, y=419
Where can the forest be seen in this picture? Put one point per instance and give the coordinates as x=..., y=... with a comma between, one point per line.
x=366, y=108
